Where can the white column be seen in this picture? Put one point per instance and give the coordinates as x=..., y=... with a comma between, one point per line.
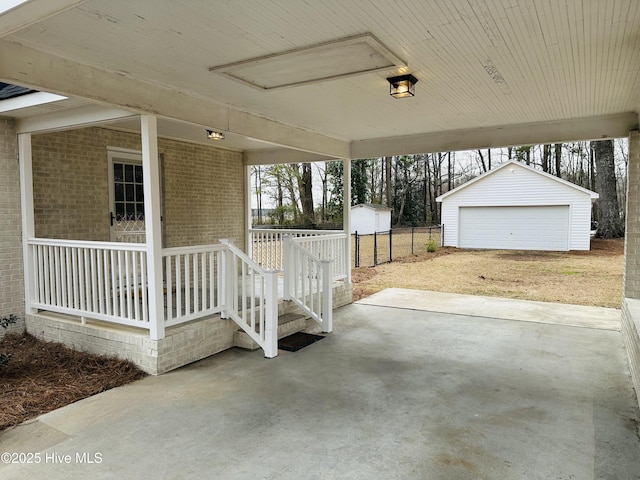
x=249, y=218
x=346, y=213
x=151, y=173
x=28, y=223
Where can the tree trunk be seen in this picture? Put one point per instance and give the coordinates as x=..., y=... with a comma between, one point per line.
x=609, y=222
x=482, y=164
x=558, y=155
x=546, y=157
x=306, y=193
x=387, y=167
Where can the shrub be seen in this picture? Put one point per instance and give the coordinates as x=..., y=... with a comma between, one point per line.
x=432, y=246
x=5, y=322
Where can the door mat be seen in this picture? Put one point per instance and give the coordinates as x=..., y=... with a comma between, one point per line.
x=299, y=340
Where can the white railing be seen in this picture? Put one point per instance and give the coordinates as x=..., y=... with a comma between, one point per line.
x=329, y=247
x=192, y=278
x=108, y=281
x=251, y=298
x=267, y=248
x=99, y=280
x=308, y=282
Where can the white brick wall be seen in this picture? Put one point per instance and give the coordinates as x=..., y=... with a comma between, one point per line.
x=183, y=344
x=11, y=272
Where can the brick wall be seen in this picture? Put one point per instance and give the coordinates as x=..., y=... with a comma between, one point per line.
x=204, y=194
x=11, y=278
x=631, y=280
x=203, y=187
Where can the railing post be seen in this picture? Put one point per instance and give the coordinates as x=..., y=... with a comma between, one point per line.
x=227, y=287
x=271, y=314
x=327, y=296
x=287, y=267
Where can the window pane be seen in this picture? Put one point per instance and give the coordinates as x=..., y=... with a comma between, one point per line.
x=119, y=192
x=119, y=210
x=128, y=173
x=118, y=174
x=138, y=174
x=130, y=195
x=140, y=209
x=139, y=193
x=131, y=210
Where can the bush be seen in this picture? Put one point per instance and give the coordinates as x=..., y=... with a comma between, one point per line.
x=432, y=246
x=5, y=322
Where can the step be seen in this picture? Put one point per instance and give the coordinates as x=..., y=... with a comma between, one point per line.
x=288, y=324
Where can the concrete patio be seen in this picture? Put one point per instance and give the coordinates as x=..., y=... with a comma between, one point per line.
x=397, y=391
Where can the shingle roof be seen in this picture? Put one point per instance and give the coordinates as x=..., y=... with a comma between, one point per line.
x=8, y=91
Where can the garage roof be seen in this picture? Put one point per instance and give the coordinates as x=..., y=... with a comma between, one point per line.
x=516, y=164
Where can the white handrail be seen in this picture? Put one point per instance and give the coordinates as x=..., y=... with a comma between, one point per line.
x=250, y=296
x=329, y=247
x=308, y=282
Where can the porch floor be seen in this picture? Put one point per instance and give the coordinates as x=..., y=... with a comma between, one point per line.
x=393, y=393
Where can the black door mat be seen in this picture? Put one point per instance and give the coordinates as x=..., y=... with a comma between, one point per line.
x=299, y=340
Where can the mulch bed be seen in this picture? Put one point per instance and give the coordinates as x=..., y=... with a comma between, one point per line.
x=42, y=376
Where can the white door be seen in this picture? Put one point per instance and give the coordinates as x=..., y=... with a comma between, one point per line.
x=515, y=228
x=126, y=194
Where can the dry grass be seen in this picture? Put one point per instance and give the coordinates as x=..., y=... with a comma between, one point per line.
x=583, y=278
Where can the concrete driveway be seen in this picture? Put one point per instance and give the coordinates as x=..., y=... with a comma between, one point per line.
x=395, y=392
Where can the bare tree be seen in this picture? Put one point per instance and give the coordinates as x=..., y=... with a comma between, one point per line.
x=609, y=221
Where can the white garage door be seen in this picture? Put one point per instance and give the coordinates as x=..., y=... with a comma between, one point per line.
x=515, y=228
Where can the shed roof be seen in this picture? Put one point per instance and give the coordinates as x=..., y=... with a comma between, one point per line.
x=373, y=206
x=513, y=163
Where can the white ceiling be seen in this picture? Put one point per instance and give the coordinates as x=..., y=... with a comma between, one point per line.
x=485, y=67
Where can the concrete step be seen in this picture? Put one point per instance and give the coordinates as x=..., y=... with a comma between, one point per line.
x=288, y=324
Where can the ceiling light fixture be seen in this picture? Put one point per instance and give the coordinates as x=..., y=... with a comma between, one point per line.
x=402, y=86
x=213, y=135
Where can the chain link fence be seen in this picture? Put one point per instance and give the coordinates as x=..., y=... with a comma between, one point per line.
x=383, y=247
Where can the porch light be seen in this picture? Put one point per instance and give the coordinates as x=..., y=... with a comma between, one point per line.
x=213, y=135
x=402, y=86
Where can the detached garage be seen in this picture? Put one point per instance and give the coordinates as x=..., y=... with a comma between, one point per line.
x=515, y=207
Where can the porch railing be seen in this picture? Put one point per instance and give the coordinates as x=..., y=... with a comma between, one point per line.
x=266, y=247
x=308, y=281
x=251, y=298
x=108, y=281
x=100, y=280
x=192, y=278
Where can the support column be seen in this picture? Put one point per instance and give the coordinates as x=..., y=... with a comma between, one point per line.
x=28, y=223
x=630, y=328
x=153, y=227
x=631, y=282
x=346, y=210
x=248, y=244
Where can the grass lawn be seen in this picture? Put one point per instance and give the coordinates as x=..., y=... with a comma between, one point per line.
x=583, y=278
